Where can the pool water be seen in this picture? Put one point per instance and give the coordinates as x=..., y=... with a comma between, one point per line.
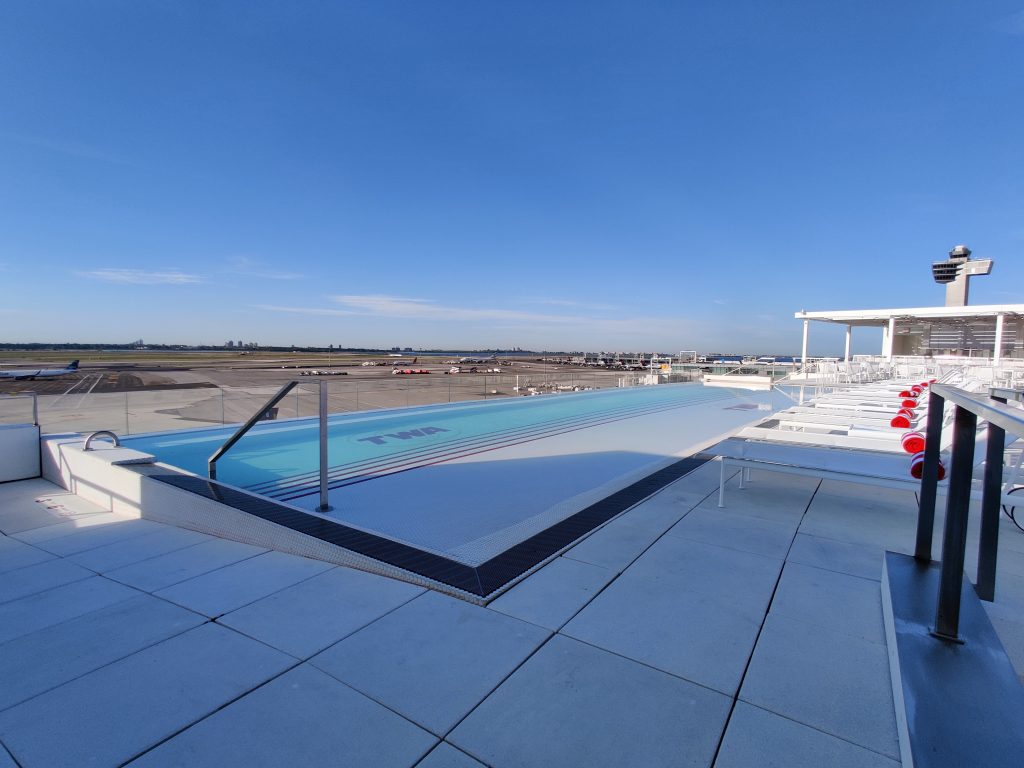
x=467, y=479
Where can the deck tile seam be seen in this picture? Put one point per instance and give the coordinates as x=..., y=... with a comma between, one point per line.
x=757, y=638
x=78, y=616
x=331, y=567
x=129, y=537
x=212, y=712
x=390, y=708
x=9, y=754
x=146, y=559
x=317, y=652
x=457, y=748
x=558, y=632
x=89, y=575
x=140, y=649
x=819, y=730
x=176, y=583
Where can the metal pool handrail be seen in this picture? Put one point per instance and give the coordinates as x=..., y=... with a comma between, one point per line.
x=1001, y=419
x=212, y=462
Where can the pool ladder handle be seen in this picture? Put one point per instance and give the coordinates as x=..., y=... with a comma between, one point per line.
x=101, y=433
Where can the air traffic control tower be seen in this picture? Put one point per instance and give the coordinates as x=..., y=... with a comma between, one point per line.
x=991, y=332
x=956, y=271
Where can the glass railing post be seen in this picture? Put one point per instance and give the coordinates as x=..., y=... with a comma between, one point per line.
x=954, y=537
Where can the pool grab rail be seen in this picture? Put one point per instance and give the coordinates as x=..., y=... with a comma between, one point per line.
x=101, y=433
x=1001, y=419
x=260, y=416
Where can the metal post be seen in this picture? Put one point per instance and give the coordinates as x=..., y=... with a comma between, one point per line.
x=954, y=536
x=988, y=544
x=849, y=333
x=997, y=349
x=324, y=506
x=929, y=479
x=803, y=347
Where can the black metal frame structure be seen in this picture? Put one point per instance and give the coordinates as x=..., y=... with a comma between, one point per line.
x=1001, y=419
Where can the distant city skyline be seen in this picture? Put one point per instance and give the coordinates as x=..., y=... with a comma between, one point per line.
x=572, y=176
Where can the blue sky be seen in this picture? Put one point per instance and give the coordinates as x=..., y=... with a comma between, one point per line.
x=569, y=175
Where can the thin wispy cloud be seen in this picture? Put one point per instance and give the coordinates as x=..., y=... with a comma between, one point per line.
x=427, y=309
x=243, y=265
x=571, y=304
x=491, y=318
x=141, y=276
x=320, y=311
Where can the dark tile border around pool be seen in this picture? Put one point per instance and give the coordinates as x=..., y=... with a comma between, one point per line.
x=481, y=580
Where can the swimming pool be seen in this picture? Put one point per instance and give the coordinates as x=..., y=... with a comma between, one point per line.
x=470, y=481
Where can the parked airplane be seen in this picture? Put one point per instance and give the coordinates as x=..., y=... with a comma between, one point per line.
x=39, y=373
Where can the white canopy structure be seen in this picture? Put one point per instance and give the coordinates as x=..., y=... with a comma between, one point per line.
x=995, y=331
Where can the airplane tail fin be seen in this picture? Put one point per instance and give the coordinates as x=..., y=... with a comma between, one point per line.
x=73, y=365
x=414, y=360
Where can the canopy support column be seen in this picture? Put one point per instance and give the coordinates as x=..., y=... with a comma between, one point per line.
x=803, y=353
x=888, y=336
x=849, y=333
x=998, y=348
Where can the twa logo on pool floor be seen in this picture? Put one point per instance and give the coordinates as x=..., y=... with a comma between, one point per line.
x=410, y=434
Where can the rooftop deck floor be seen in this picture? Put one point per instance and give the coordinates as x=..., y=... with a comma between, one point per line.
x=678, y=634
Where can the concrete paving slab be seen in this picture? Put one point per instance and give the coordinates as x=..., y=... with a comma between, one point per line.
x=45, y=609
x=836, y=601
x=842, y=557
x=229, y=588
x=35, y=504
x=303, y=717
x=769, y=495
x=37, y=662
x=39, y=578
x=15, y=554
x=71, y=521
x=433, y=659
x=572, y=704
x=658, y=620
x=183, y=564
x=660, y=512
x=735, y=577
x=1011, y=635
x=735, y=531
x=316, y=613
x=616, y=545
x=876, y=520
x=554, y=594
x=757, y=738
x=446, y=756
x=830, y=681
x=121, y=553
x=85, y=539
x=111, y=715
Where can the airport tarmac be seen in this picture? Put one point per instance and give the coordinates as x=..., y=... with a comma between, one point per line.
x=135, y=392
